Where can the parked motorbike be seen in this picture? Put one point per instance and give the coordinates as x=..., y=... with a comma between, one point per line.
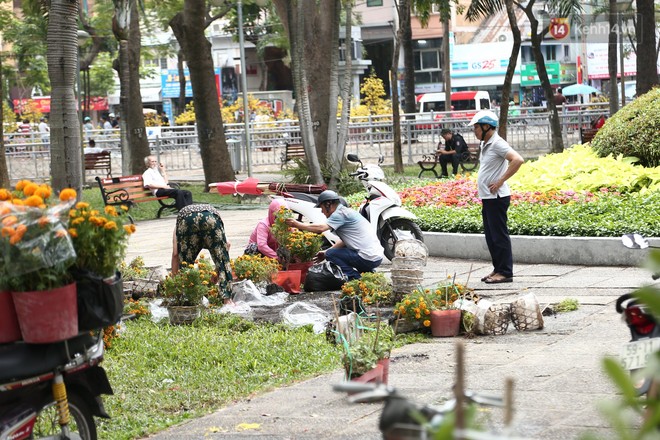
x=644, y=328
x=382, y=207
x=52, y=391
x=402, y=419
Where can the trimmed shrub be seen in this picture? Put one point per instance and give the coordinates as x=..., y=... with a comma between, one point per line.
x=633, y=131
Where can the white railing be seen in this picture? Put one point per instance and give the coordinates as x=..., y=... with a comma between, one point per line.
x=178, y=147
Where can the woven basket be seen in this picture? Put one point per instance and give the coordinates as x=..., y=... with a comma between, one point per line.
x=526, y=313
x=496, y=320
x=183, y=314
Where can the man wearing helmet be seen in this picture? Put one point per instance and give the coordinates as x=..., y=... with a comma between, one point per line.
x=498, y=162
x=358, y=249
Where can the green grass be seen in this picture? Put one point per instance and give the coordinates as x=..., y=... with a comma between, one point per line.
x=162, y=374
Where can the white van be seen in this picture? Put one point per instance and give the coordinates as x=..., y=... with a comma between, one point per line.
x=464, y=105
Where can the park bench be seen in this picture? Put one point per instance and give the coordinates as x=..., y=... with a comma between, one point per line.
x=99, y=161
x=587, y=134
x=431, y=160
x=129, y=191
x=291, y=152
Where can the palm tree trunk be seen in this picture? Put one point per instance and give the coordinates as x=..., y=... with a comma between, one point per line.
x=332, y=162
x=62, y=57
x=138, y=144
x=446, y=64
x=647, y=58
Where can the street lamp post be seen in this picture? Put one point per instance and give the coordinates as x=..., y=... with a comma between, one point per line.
x=246, y=110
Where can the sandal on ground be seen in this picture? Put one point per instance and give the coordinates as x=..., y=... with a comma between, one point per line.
x=488, y=276
x=496, y=279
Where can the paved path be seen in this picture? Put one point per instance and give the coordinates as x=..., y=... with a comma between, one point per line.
x=557, y=373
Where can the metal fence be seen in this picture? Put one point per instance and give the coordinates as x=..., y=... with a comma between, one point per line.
x=28, y=157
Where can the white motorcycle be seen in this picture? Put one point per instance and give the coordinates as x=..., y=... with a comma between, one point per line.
x=382, y=207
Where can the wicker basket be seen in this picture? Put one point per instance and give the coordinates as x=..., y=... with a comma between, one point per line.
x=526, y=313
x=183, y=314
x=496, y=320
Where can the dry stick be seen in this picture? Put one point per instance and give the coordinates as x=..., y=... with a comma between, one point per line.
x=468, y=278
x=459, y=391
x=508, y=402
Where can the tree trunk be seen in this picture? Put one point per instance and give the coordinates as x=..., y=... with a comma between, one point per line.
x=332, y=162
x=446, y=64
x=612, y=50
x=345, y=95
x=396, y=132
x=188, y=27
x=138, y=144
x=647, y=58
x=4, y=172
x=181, y=107
x=295, y=20
x=408, y=63
x=62, y=57
x=120, y=29
x=511, y=68
x=555, y=126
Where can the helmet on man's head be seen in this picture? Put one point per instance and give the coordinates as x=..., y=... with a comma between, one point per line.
x=484, y=117
x=87, y=119
x=327, y=196
x=111, y=115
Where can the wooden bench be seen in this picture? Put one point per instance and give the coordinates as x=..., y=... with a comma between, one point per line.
x=431, y=160
x=587, y=134
x=129, y=191
x=292, y=151
x=99, y=161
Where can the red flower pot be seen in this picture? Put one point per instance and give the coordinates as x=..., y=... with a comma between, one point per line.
x=379, y=374
x=289, y=280
x=302, y=267
x=445, y=323
x=9, y=328
x=48, y=315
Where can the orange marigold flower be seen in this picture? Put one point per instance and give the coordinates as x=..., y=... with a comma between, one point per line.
x=7, y=231
x=110, y=225
x=21, y=184
x=68, y=194
x=82, y=205
x=30, y=188
x=128, y=230
x=34, y=201
x=5, y=194
x=9, y=220
x=77, y=221
x=43, y=191
x=60, y=233
x=426, y=323
x=73, y=232
x=18, y=202
x=124, y=207
x=110, y=210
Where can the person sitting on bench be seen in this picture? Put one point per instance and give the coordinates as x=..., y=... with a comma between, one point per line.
x=155, y=179
x=454, y=147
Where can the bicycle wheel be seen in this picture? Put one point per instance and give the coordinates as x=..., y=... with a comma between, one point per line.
x=470, y=160
x=81, y=422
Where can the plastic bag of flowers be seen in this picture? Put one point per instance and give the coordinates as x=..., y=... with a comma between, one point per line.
x=100, y=239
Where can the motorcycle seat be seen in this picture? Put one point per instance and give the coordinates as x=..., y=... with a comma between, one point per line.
x=313, y=198
x=20, y=360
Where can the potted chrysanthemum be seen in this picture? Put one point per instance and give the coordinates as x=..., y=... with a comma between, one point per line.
x=184, y=291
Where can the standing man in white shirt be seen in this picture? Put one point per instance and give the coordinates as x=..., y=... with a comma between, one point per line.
x=155, y=178
x=498, y=162
x=44, y=131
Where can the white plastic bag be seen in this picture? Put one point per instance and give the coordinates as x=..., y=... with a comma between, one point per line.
x=241, y=309
x=302, y=313
x=247, y=292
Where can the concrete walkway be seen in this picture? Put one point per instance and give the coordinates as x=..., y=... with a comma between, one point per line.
x=557, y=370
